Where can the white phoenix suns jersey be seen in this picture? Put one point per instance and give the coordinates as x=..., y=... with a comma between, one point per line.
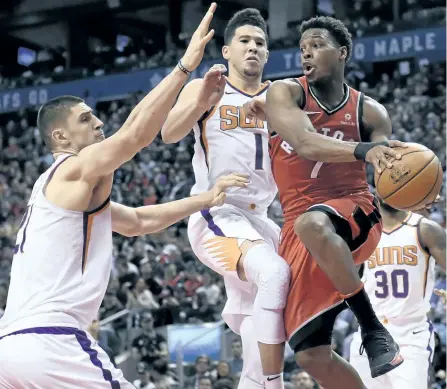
x=61, y=266
x=228, y=142
x=400, y=275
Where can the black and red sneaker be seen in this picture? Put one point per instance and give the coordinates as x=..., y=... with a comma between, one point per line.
x=382, y=351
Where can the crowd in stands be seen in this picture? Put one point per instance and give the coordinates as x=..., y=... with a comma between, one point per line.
x=363, y=18
x=158, y=276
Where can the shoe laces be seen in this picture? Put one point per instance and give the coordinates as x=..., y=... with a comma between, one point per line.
x=380, y=341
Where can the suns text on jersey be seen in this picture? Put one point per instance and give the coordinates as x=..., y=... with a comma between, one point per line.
x=232, y=117
x=394, y=255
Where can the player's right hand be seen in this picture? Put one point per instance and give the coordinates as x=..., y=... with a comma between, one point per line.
x=217, y=194
x=383, y=155
x=256, y=108
x=194, y=53
x=213, y=86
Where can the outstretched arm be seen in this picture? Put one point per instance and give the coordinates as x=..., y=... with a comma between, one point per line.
x=147, y=118
x=292, y=124
x=433, y=238
x=129, y=221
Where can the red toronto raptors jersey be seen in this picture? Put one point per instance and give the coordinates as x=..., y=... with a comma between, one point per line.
x=303, y=183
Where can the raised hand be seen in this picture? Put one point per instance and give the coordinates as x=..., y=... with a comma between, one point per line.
x=213, y=87
x=217, y=194
x=194, y=53
x=256, y=108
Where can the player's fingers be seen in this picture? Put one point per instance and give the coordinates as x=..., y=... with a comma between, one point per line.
x=248, y=109
x=206, y=21
x=207, y=37
x=376, y=164
x=397, y=143
x=221, y=198
x=391, y=153
x=222, y=68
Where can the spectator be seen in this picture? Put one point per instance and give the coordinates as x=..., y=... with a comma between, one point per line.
x=211, y=290
x=302, y=380
x=205, y=383
x=236, y=362
x=143, y=381
x=223, y=370
x=150, y=346
x=202, y=367
x=142, y=296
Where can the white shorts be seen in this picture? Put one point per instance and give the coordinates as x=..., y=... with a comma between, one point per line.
x=56, y=357
x=215, y=238
x=416, y=343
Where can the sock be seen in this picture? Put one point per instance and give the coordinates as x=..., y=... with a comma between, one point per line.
x=274, y=381
x=363, y=310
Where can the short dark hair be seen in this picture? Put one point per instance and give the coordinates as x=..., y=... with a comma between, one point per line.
x=335, y=27
x=203, y=356
x=247, y=16
x=53, y=113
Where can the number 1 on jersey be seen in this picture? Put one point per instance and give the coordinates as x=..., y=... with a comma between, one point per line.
x=259, y=155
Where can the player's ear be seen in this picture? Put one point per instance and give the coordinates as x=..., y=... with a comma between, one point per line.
x=267, y=53
x=344, y=53
x=58, y=136
x=226, y=52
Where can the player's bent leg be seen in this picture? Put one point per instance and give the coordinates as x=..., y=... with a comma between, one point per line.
x=329, y=369
x=262, y=266
x=252, y=376
x=325, y=233
x=314, y=354
x=317, y=232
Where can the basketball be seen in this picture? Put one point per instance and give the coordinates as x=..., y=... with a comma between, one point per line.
x=413, y=182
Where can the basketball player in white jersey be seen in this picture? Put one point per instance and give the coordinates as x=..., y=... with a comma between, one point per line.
x=63, y=251
x=238, y=240
x=399, y=279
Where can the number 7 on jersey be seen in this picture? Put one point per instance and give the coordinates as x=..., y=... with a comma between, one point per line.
x=316, y=169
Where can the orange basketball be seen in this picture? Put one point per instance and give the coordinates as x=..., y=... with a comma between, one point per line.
x=413, y=182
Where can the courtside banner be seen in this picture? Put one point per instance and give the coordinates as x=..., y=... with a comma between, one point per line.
x=425, y=43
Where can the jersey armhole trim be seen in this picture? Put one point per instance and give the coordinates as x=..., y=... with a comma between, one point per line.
x=50, y=176
x=361, y=126
x=424, y=249
x=206, y=115
x=303, y=104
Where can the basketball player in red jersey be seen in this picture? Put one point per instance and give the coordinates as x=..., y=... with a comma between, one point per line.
x=331, y=220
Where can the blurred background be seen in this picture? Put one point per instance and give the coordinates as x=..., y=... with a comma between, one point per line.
x=160, y=319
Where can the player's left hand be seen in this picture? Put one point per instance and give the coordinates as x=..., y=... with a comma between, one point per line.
x=383, y=155
x=256, y=108
x=194, y=52
x=443, y=294
x=217, y=196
